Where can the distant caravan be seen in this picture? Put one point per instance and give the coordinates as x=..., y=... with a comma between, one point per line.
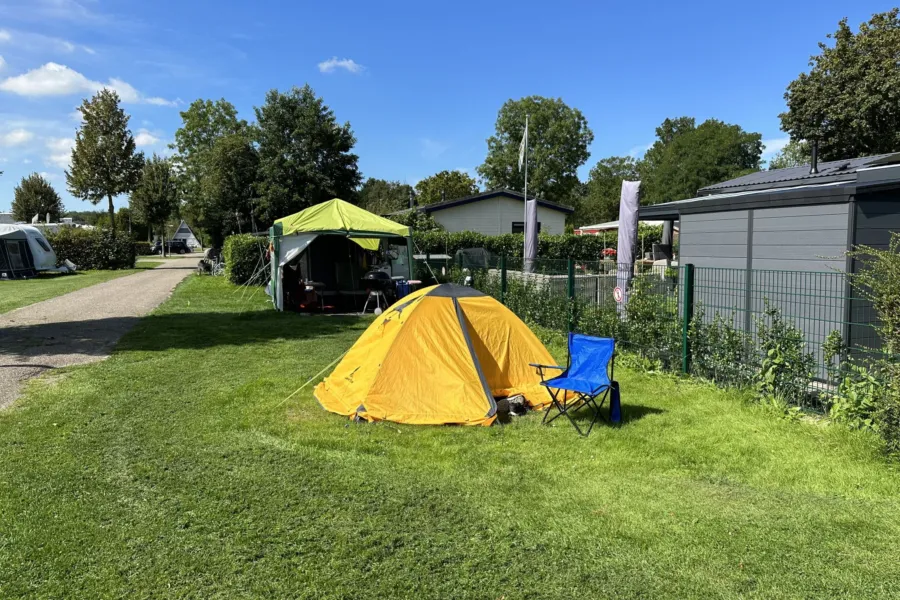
x=25, y=252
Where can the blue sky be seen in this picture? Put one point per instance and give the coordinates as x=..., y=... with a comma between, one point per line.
x=420, y=82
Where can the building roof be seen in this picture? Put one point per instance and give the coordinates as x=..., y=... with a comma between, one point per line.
x=835, y=170
x=612, y=226
x=494, y=194
x=836, y=182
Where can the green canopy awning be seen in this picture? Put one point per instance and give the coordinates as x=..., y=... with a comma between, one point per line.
x=338, y=216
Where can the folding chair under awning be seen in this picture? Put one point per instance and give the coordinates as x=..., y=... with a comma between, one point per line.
x=587, y=377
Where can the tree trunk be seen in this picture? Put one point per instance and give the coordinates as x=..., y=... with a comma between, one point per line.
x=112, y=215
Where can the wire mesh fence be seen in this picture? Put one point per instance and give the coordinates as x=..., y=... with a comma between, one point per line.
x=790, y=330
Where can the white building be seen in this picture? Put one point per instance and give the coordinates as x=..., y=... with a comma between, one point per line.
x=496, y=211
x=186, y=234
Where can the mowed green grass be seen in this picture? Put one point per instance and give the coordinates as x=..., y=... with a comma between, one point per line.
x=22, y=292
x=176, y=469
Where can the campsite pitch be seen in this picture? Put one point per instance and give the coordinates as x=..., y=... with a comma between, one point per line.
x=176, y=469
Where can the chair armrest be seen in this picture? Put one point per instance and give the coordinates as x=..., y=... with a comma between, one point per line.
x=540, y=366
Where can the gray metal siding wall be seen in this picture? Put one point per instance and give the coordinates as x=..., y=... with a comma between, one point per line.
x=774, y=245
x=877, y=216
x=718, y=242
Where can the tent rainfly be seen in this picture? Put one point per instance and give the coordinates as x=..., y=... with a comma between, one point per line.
x=291, y=235
x=438, y=356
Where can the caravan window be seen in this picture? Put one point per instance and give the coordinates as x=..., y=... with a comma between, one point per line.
x=43, y=244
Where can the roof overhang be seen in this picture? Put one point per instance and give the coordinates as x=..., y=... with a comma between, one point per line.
x=824, y=193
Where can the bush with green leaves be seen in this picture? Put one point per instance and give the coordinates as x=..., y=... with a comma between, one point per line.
x=786, y=366
x=245, y=259
x=143, y=248
x=550, y=246
x=91, y=249
x=720, y=351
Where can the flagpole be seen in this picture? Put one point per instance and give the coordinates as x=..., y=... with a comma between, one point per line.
x=525, y=203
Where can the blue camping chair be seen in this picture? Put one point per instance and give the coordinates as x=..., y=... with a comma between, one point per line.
x=588, y=375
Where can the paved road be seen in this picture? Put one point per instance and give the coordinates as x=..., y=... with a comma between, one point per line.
x=79, y=327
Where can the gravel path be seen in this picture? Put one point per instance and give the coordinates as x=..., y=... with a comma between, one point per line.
x=82, y=326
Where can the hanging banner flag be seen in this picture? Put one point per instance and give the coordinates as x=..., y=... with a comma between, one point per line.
x=628, y=228
x=523, y=145
x=531, y=234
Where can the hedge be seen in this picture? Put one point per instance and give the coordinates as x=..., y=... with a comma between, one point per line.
x=143, y=248
x=550, y=246
x=245, y=255
x=93, y=249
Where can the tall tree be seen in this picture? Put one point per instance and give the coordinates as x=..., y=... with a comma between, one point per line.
x=305, y=156
x=155, y=198
x=203, y=124
x=383, y=197
x=685, y=158
x=228, y=188
x=446, y=184
x=850, y=99
x=35, y=196
x=558, y=140
x=104, y=163
x=603, y=191
x=794, y=154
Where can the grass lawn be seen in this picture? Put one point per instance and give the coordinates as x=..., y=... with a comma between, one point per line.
x=22, y=292
x=176, y=469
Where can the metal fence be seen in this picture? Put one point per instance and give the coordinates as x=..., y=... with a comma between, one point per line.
x=727, y=325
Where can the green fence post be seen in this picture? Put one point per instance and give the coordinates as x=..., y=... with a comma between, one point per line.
x=503, y=279
x=571, y=294
x=688, y=314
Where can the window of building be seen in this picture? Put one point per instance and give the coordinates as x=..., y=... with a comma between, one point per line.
x=519, y=227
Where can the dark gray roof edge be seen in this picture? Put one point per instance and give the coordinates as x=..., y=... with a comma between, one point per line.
x=774, y=185
x=493, y=194
x=771, y=198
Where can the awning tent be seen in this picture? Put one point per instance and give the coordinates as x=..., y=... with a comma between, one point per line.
x=291, y=236
x=438, y=356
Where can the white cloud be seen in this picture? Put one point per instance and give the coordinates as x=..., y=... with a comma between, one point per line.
x=15, y=137
x=53, y=79
x=773, y=146
x=5, y=36
x=2, y=63
x=60, y=151
x=157, y=101
x=48, y=176
x=432, y=149
x=145, y=138
x=638, y=151
x=351, y=66
x=26, y=161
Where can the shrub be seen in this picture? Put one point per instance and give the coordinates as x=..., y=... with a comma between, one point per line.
x=143, y=248
x=721, y=352
x=245, y=259
x=93, y=248
x=786, y=365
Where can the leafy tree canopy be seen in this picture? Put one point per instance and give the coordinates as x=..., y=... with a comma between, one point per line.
x=384, y=197
x=305, y=156
x=850, y=99
x=104, y=163
x=600, y=201
x=156, y=196
x=228, y=188
x=203, y=124
x=446, y=184
x=794, y=154
x=35, y=196
x=686, y=157
x=558, y=140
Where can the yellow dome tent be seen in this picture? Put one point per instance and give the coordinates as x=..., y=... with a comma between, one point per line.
x=440, y=355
